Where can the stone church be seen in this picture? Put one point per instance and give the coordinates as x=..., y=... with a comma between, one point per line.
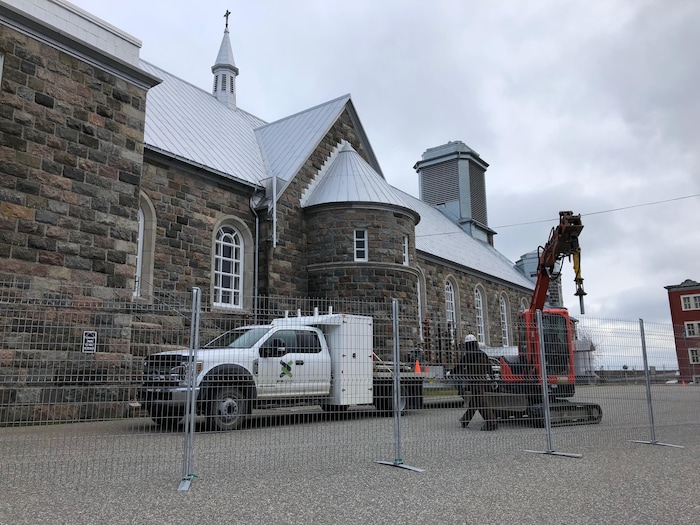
x=116, y=175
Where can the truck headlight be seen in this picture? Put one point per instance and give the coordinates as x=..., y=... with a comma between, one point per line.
x=181, y=373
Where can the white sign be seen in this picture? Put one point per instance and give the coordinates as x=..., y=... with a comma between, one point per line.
x=90, y=341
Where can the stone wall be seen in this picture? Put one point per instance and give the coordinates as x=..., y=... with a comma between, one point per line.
x=435, y=278
x=286, y=264
x=71, y=151
x=188, y=208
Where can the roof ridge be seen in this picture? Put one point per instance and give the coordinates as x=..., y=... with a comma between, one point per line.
x=307, y=110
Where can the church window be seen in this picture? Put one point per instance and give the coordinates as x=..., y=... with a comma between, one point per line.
x=228, y=268
x=361, y=245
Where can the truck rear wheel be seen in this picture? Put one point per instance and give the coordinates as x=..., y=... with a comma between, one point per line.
x=228, y=409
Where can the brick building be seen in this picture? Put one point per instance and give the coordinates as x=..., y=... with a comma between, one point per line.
x=118, y=175
x=684, y=301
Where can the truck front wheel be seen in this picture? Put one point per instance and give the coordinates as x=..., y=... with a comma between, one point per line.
x=228, y=409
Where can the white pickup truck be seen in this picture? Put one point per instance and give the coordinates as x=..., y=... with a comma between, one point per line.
x=324, y=360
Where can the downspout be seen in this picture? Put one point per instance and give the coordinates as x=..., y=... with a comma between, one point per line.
x=274, y=211
x=255, y=264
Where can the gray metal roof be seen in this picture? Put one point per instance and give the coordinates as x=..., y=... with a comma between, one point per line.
x=346, y=177
x=191, y=124
x=225, y=56
x=438, y=236
x=286, y=144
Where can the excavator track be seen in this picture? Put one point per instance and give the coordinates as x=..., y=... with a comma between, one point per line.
x=566, y=413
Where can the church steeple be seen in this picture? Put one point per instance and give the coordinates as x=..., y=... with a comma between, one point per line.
x=225, y=71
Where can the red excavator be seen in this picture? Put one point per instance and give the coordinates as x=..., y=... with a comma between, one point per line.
x=518, y=387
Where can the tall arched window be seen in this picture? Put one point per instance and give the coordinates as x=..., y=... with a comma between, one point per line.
x=145, y=248
x=450, y=309
x=504, y=321
x=480, y=323
x=228, y=268
x=139, y=255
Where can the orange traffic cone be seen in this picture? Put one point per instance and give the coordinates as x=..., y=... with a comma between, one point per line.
x=417, y=367
x=683, y=383
x=426, y=369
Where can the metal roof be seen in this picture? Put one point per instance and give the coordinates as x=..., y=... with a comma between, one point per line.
x=191, y=124
x=438, y=236
x=346, y=177
x=286, y=144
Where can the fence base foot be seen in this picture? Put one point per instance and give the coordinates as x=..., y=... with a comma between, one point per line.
x=555, y=453
x=654, y=442
x=400, y=465
x=186, y=482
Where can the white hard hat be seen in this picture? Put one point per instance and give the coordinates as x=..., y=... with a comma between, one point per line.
x=469, y=338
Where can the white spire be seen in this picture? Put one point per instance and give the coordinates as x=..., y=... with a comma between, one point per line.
x=225, y=71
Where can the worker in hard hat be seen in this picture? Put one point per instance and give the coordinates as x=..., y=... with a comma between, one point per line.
x=474, y=373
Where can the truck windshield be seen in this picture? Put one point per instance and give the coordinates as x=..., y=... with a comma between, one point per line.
x=239, y=338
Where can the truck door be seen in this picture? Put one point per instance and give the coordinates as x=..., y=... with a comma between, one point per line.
x=292, y=363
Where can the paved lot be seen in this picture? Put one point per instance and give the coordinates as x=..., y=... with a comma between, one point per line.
x=309, y=469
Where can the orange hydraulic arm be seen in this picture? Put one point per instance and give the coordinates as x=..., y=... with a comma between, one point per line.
x=563, y=242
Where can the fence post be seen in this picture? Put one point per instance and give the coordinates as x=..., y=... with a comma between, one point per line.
x=190, y=412
x=545, y=396
x=647, y=381
x=398, y=460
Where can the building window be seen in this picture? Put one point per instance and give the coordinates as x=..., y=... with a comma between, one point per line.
x=361, y=245
x=216, y=82
x=405, y=250
x=231, y=84
x=692, y=329
x=694, y=356
x=690, y=302
x=420, y=309
x=504, y=322
x=145, y=248
x=139, y=255
x=223, y=82
x=450, y=309
x=228, y=268
x=480, y=325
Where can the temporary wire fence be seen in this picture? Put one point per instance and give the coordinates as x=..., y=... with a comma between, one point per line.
x=94, y=386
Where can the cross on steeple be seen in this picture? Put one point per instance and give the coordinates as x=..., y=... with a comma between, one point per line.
x=226, y=15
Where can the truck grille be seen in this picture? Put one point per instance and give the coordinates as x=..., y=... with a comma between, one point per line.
x=157, y=368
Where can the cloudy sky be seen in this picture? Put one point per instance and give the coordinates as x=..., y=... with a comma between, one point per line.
x=590, y=106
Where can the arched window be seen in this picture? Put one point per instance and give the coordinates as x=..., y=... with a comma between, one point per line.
x=422, y=304
x=145, y=248
x=524, y=304
x=480, y=308
x=228, y=268
x=450, y=309
x=139, y=255
x=504, y=321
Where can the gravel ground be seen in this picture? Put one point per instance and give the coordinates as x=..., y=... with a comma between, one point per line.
x=291, y=470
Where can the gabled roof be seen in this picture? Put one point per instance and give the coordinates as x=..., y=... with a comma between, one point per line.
x=347, y=177
x=438, y=236
x=190, y=124
x=286, y=144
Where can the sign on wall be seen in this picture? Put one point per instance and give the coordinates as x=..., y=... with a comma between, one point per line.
x=90, y=341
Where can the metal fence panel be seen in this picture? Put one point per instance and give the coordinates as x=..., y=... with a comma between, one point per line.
x=72, y=372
